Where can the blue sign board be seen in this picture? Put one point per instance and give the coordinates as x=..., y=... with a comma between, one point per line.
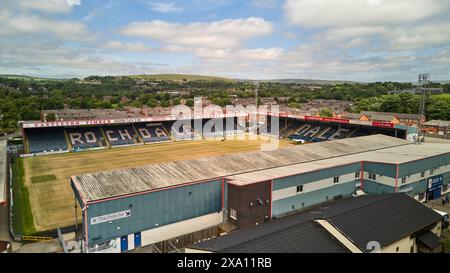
x=435, y=182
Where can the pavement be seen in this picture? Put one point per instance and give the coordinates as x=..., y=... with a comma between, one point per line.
x=4, y=223
x=39, y=247
x=4, y=195
x=3, y=170
x=437, y=204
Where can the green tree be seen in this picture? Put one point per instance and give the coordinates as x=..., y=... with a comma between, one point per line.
x=50, y=117
x=190, y=102
x=326, y=113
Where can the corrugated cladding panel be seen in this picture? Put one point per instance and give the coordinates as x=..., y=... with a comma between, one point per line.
x=372, y=187
x=305, y=178
x=421, y=165
x=417, y=187
x=155, y=209
x=282, y=206
x=385, y=169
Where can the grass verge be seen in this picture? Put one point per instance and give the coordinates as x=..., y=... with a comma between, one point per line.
x=23, y=223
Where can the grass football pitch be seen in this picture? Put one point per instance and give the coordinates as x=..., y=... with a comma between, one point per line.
x=47, y=178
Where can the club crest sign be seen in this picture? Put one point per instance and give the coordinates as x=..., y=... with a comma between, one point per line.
x=110, y=217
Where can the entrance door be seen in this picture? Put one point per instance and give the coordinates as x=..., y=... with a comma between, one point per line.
x=437, y=193
x=123, y=243
x=430, y=196
x=137, y=239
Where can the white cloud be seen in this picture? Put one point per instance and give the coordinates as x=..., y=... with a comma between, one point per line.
x=229, y=33
x=165, y=7
x=17, y=24
x=49, y=6
x=121, y=46
x=351, y=13
x=52, y=58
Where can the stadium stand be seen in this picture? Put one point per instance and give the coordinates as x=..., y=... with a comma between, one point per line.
x=118, y=135
x=152, y=132
x=85, y=138
x=183, y=130
x=265, y=128
x=237, y=128
x=46, y=140
x=213, y=128
x=320, y=132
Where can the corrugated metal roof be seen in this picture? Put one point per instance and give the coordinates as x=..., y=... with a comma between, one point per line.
x=396, y=154
x=108, y=184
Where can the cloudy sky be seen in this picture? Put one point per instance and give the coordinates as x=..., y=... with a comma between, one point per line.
x=363, y=40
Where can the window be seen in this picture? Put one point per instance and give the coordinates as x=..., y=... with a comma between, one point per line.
x=233, y=214
x=431, y=171
x=336, y=180
x=300, y=188
x=421, y=196
x=293, y=207
x=398, y=248
x=372, y=176
x=357, y=174
x=403, y=180
x=422, y=174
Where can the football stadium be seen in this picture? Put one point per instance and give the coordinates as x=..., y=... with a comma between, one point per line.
x=127, y=183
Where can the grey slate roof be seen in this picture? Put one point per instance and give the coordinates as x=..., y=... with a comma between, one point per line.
x=398, y=115
x=386, y=218
x=308, y=237
x=385, y=221
x=429, y=239
x=440, y=123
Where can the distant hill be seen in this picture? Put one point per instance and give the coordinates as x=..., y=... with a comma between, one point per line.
x=180, y=77
x=306, y=81
x=27, y=78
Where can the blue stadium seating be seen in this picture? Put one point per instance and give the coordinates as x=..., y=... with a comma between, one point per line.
x=85, y=138
x=46, y=140
x=118, y=135
x=152, y=132
x=324, y=133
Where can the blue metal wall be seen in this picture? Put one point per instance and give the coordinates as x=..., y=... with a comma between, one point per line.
x=286, y=205
x=384, y=169
x=155, y=209
x=423, y=165
x=315, y=176
x=372, y=187
x=308, y=199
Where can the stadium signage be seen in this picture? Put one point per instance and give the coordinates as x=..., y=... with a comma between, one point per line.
x=110, y=217
x=337, y=120
x=383, y=124
x=119, y=121
x=53, y=124
x=313, y=118
x=435, y=182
